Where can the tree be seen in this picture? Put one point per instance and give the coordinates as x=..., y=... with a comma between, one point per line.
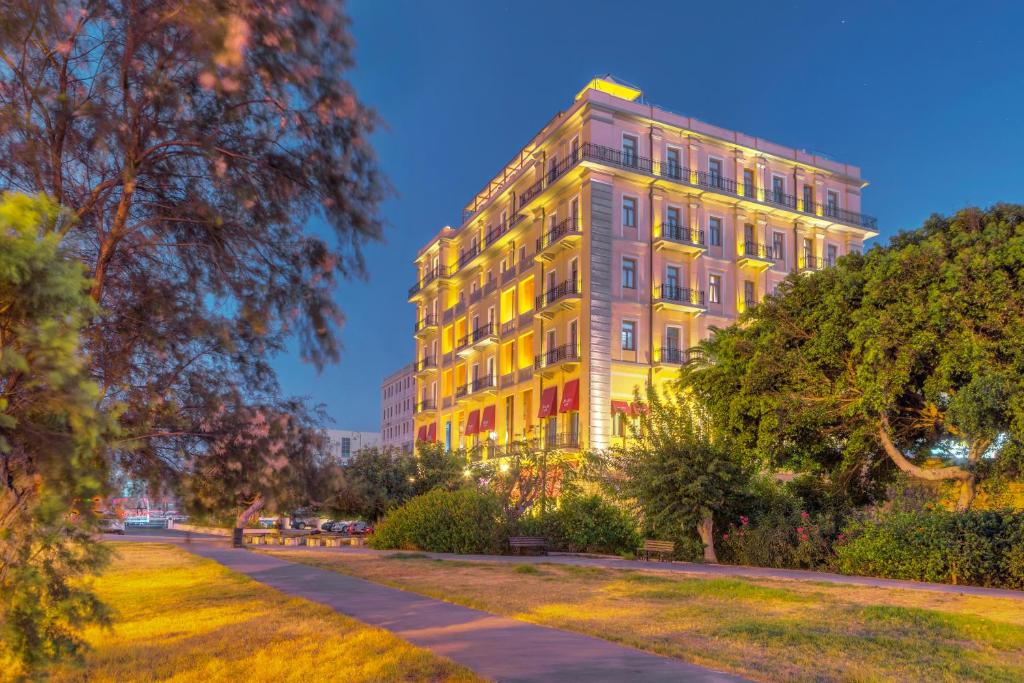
x=256, y=457
x=376, y=480
x=676, y=470
x=911, y=355
x=526, y=475
x=437, y=467
x=51, y=437
x=193, y=141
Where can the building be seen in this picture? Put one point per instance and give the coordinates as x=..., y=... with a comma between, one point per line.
x=397, y=395
x=609, y=245
x=343, y=442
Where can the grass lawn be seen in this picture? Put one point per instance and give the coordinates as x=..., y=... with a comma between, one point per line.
x=183, y=618
x=761, y=629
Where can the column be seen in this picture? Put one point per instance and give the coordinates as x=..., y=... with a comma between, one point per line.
x=740, y=166
x=693, y=158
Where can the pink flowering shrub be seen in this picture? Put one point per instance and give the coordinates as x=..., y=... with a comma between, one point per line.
x=795, y=540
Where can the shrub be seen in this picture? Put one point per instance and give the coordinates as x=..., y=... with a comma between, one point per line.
x=587, y=524
x=780, y=538
x=977, y=547
x=463, y=521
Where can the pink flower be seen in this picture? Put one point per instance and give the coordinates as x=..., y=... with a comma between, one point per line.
x=799, y=529
x=804, y=514
x=744, y=521
x=725, y=536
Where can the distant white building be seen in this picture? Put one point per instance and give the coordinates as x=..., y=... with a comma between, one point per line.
x=345, y=442
x=397, y=395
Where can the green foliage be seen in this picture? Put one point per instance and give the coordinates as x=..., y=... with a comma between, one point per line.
x=975, y=548
x=919, y=341
x=675, y=471
x=51, y=437
x=587, y=524
x=780, y=538
x=463, y=521
x=529, y=478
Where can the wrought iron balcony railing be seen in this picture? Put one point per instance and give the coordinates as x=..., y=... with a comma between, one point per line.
x=678, y=233
x=681, y=295
x=568, y=226
x=560, y=354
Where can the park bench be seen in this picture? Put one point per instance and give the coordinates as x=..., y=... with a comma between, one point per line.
x=517, y=544
x=661, y=549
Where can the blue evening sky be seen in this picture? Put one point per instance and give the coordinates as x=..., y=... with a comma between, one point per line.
x=926, y=97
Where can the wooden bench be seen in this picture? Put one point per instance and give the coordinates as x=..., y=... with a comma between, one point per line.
x=663, y=550
x=518, y=544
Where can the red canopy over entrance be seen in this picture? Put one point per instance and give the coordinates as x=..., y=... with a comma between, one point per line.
x=570, y=396
x=487, y=422
x=421, y=435
x=432, y=432
x=549, y=402
x=473, y=423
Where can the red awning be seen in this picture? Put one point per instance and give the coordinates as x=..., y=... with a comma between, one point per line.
x=549, y=402
x=621, y=407
x=487, y=422
x=570, y=396
x=432, y=432
x=473, y=423
x=421, y=435
x=639, y=409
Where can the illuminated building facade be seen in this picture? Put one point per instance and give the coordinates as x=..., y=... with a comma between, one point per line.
x=613, y=242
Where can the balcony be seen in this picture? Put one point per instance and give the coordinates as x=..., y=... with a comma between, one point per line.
x=561, y=358
x=808, y=263
x=426, y=366
x=564, y=296
x=565, y=235
x=509, y=327
x=427, y=405
x=481, y=387
x=467, y=256
x=495, y=234
x=425, y=326
x=483, y=336
x=756, y=255
x=670, y=356
x=718, y=184
x=680, y=299
x=680, y=239
x=564, y=441
x=526, y=265
x=430, y=276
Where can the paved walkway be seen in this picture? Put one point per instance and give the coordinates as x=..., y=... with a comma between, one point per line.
x=495, y=647
x=697, y=569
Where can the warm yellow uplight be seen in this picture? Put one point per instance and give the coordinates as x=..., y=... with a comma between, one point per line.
x=609, y=85
x=503, y=467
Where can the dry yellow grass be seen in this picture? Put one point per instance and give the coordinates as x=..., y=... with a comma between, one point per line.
x=764, y=630
x=182, y=618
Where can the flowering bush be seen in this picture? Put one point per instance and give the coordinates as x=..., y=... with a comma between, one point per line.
x=796, y=540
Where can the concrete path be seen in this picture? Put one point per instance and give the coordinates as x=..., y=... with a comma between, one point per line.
x=724, y=570
x=495, y=647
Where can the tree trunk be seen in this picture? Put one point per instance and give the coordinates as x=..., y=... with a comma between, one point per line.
x=706, y=531
x=967, y=479
x=247, y=514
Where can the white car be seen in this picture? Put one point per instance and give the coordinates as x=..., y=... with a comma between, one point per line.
x=111, y=525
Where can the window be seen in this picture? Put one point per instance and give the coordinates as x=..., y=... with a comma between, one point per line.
x=574, y=275
x=672, y=338
x=672, y=219
x=808, y=252
x=346, y=448
x=628, y=335
x=618, y=423
x=628, y=212
x=715, y=231
x=715, y=172
x=748, y=293
x=808, y=199
x=629, y=150
x=672, y=278
x=833, y=254
x=778, y=245
x=673, y=168
x=574, y=211
x=748, y=182
x=778, y=188
x=832, y=202
x=715, y=289
x=573, y=339
x=628, y=273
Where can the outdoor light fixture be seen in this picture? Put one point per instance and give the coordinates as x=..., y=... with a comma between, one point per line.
x=503, y=467
x=467, y=473
x=493, y=436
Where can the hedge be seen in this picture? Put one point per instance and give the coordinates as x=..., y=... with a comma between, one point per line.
x=462, y=521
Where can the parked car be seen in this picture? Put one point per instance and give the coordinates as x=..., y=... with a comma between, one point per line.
x=359, y=529
x=111, y=525
x=334, y=526
x=300, y=521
